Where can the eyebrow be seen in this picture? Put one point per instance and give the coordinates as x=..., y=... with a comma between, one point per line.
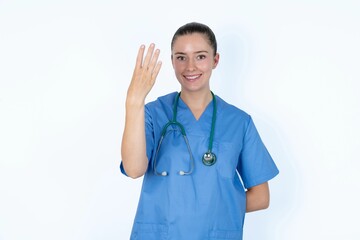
x=197, y=52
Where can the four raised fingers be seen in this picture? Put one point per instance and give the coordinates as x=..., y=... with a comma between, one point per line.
x=146, y=70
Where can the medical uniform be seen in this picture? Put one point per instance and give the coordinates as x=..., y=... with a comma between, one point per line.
x=209, y=203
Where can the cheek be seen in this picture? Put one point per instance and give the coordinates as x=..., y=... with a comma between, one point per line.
x=178, y=67
x=205, y=66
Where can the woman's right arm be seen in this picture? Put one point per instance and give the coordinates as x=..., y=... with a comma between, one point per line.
x=133, y=146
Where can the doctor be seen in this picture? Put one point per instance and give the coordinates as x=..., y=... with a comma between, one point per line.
x=203, y=161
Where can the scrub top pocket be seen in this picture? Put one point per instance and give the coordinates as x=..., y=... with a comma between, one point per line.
x=149, y=231
x=227, y=159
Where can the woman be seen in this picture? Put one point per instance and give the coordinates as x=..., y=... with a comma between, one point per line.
x=203, y=162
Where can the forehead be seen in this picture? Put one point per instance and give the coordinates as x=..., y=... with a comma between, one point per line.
x=191, y=43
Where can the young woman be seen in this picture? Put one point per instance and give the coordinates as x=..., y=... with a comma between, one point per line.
x=203, y=161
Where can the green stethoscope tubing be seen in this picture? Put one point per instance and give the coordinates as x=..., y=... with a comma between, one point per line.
x=208, y=159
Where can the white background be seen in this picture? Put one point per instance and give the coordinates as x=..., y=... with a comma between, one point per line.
x=64, y=71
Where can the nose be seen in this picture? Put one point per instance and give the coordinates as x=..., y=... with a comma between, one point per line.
x=191, y=66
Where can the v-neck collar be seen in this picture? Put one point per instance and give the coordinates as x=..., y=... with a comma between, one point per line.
x=208, y=108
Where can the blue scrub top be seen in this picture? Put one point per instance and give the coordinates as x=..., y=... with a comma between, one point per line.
x=210, y=203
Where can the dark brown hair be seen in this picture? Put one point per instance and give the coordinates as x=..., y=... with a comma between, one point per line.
x=195, y=27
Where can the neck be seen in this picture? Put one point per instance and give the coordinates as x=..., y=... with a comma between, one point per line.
x=196, y=101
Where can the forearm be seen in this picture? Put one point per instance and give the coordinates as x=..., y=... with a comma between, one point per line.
x=257, y=198
x=133, y=148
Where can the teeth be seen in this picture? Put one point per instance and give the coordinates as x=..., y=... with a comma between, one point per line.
x=192, y=77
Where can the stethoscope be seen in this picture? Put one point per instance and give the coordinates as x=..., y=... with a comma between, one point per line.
x=208, y=159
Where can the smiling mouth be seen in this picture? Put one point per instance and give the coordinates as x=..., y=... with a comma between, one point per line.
x=192, y=77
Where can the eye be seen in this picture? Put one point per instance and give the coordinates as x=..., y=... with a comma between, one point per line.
x=201, y=57
x=180, y=58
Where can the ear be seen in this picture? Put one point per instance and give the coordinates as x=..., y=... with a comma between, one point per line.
x=172, y=63
x=216, y=60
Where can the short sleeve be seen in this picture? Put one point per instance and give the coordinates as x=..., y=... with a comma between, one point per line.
x=149, y=135
x=255, y=164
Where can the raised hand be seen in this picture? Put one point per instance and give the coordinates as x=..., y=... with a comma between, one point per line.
x=133, y=148
x=145, y=73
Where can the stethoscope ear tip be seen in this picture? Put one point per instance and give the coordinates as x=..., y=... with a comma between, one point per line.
x=164, y=173
x=182, y=173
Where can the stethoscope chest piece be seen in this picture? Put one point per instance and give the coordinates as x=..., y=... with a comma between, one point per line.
x=209, y=159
